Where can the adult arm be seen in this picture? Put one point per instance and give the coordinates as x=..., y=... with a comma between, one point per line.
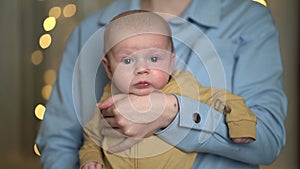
x=257, y=77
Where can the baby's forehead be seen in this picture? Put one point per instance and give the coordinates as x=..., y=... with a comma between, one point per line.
x=144, y=43
x=132, y=25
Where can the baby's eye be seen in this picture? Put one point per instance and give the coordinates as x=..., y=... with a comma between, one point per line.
x=127, y=61
x=154, y=59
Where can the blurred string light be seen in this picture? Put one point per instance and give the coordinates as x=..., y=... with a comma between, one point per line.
x=49, y=23
x=36, y=150
x=49, y=79
x=46, y=91
x=69, y=10
x=45, y=41
x=50, y=76
x=55, y=12
x=39, y=111
x=263, y=2
x=37, y=57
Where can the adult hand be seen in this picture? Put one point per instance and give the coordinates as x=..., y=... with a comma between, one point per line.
x=136, y=117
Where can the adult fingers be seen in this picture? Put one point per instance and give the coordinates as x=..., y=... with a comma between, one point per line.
x=109, y=112
x=111, y=132
x=106, y=103
x=108, y=122
x=110, y=101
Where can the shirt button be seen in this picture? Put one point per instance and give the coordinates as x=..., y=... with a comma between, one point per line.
x=196, y=118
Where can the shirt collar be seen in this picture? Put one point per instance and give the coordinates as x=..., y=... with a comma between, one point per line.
x=204, y=12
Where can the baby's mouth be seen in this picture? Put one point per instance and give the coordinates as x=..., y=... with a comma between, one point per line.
x=142, y=85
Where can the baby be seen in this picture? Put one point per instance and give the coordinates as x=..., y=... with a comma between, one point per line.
x=140, y=60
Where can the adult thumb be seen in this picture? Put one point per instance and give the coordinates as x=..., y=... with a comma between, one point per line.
x=105, y=103
x=110, y=101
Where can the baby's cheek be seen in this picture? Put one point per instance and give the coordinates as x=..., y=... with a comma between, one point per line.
x=122, y=82
x=161, y=81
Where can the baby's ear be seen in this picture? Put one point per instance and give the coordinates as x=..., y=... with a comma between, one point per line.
x=106, y=65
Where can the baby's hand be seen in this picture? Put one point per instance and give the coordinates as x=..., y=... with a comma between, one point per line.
x=243, y=140
x=92, y=165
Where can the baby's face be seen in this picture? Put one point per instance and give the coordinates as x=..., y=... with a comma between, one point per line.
x=140, y=64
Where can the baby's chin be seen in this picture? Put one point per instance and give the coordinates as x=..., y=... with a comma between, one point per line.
x=141, y=92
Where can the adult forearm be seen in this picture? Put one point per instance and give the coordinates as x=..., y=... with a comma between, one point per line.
x=205, y=138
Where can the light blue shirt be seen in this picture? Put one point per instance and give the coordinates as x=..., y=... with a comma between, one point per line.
x=243, y=36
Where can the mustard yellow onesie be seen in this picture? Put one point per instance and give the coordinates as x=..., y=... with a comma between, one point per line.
x=154, y=153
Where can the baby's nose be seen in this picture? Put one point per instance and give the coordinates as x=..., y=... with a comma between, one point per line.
x=141, y=68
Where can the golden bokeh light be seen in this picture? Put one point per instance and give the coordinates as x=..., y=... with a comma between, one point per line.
x=39, y=111
x=45, y=41
x=49, y=23
x=263, y=2
x=69, y=10
x=55, y=12
x=50, y=76
x=46, y=91
x=36, y=150
x=37, y=57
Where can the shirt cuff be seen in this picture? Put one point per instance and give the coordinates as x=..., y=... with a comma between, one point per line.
x=193, y=115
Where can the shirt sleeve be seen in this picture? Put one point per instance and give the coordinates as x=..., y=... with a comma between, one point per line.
x=257, y=77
